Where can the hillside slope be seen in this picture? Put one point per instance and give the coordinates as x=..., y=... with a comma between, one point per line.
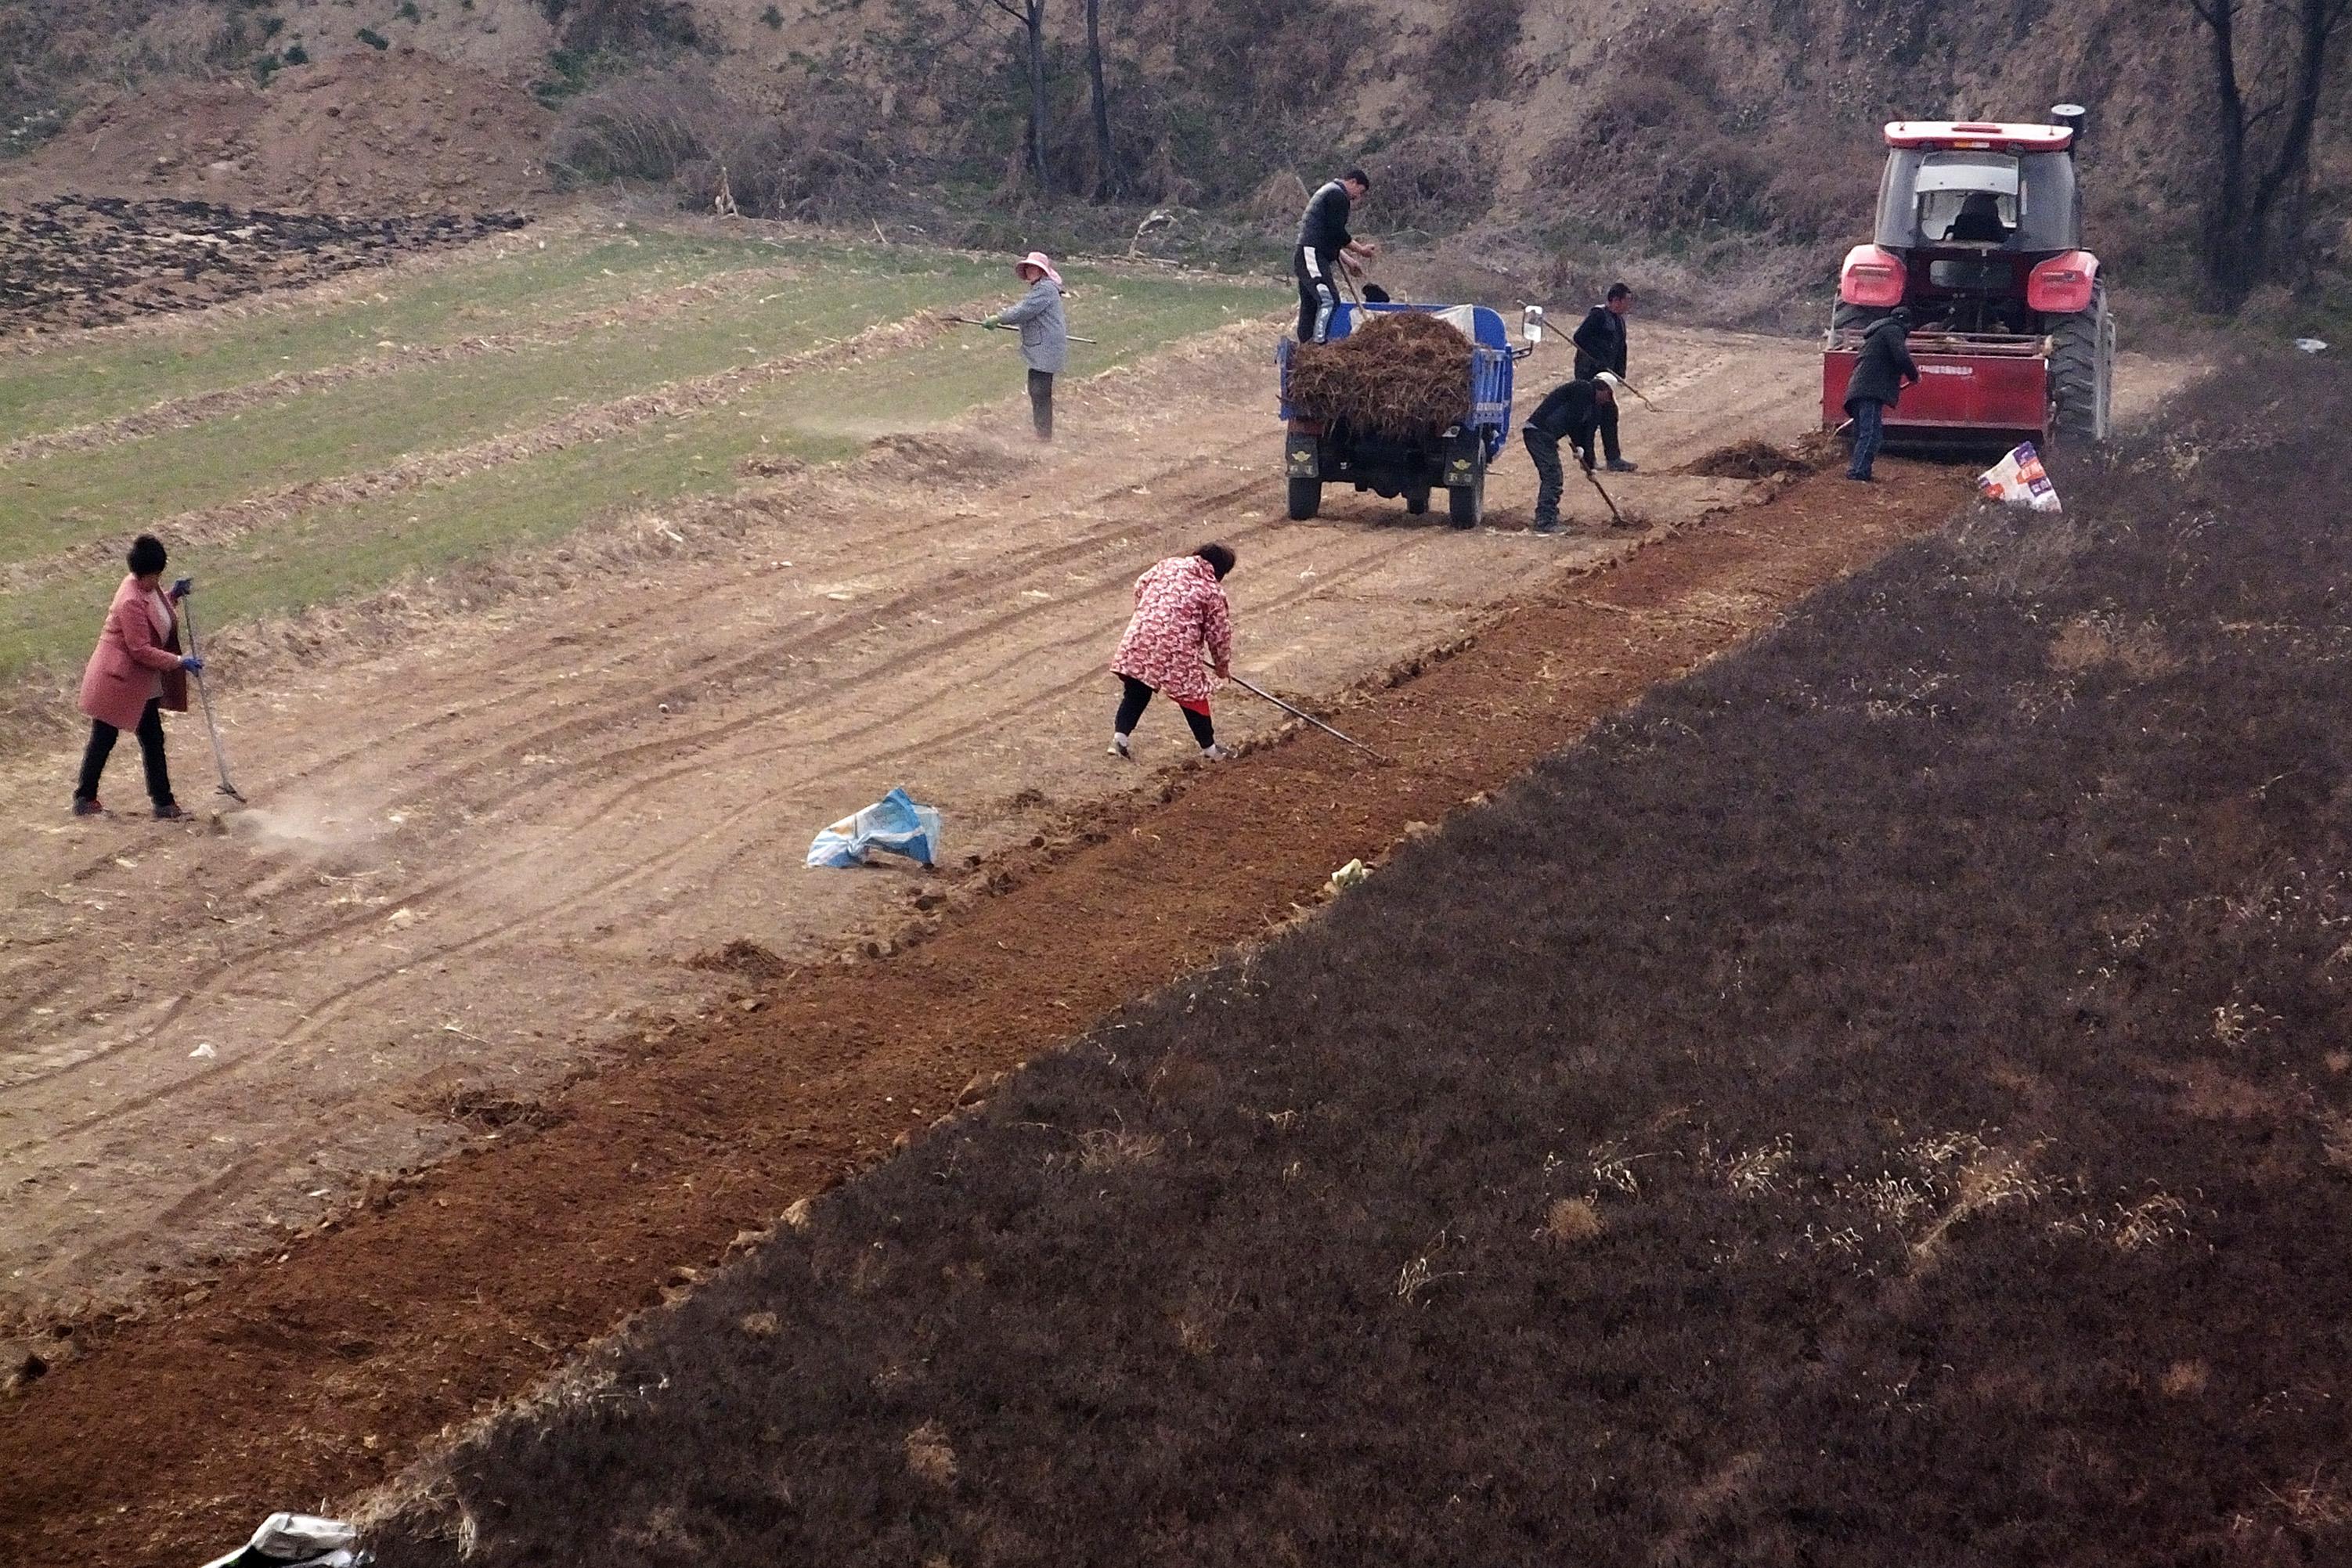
x=1751, y=119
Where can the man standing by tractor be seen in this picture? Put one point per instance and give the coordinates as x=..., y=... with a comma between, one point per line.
x=1324, y=245
x=1571, y=413
x=1599, y=341
x=1881, y=372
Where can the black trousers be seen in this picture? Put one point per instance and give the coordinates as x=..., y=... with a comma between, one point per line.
x=1319, y=292
x=1041, y=403
x=1543, y=450
x=150, y=751
x=1136, y=696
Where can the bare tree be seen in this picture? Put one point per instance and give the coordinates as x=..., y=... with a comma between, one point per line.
x=1105, y=176
x=2265, y=146
x=1031, y=14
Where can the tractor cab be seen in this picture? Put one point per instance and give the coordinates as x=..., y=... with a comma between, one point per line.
x=1978, y=235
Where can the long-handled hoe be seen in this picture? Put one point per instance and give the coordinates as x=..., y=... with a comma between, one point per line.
x=1257, y=690
x=968, y=321
x=1615, y=516
x=220, y=758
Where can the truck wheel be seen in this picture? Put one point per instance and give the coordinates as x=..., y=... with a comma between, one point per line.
x=1416, y=502
x=1305, y=498
x=2083, y=370
x=1467, y=504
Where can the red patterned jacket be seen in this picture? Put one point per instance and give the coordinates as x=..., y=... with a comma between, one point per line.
x=1180, y=609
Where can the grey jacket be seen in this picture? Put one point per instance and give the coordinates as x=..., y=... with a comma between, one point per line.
x=1045, y=332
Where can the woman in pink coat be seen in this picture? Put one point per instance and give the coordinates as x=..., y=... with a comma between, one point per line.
x=1180, y=615
x=136, y=673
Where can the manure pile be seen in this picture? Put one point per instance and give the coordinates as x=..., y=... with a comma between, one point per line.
x=1398, y=374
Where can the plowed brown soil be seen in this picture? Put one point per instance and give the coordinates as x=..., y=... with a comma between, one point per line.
x=307, y=1373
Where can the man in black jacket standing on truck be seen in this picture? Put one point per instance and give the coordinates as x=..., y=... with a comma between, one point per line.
x=1600, y=342
x=1324, y=245
x=1573, y=412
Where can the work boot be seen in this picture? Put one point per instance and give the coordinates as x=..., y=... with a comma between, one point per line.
x=89, y=808
x=1119, y=749
x=170, y=811
x=1618, y=465
x=1544, y=525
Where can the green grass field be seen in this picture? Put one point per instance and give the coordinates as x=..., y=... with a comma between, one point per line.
x=578, y=320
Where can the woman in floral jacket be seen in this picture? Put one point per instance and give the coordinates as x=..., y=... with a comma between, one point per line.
x=1181, y=614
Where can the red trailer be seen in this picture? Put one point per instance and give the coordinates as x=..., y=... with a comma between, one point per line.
x=1979, y=236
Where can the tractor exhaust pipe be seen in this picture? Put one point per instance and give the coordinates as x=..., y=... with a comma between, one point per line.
x=2071, y=116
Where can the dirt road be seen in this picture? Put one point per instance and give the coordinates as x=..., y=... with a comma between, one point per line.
x=473, y=862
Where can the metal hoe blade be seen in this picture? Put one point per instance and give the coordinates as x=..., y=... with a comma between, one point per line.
x=220, y=758
x=1301, y=713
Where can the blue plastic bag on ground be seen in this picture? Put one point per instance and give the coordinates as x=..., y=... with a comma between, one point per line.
x=894, y=825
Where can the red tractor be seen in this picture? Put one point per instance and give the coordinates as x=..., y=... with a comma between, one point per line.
x=1979, y=230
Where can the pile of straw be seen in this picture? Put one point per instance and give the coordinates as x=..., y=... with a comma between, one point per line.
x=1400, y=374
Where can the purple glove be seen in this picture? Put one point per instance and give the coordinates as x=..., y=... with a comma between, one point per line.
x=183, y=586
x=193, y=665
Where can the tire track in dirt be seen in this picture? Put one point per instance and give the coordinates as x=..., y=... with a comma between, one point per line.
x=1155, y=459
x=626, y=782
x=183, y=412
x=480, y=1279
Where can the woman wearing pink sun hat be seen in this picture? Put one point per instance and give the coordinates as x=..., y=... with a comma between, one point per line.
x=1045, y=334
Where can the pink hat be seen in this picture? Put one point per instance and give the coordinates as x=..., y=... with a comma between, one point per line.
x=1036, y=258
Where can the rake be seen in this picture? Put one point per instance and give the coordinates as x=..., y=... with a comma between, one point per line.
x=220, y=758
x=1257, y=690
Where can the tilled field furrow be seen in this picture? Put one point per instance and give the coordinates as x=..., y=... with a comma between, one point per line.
x=480, y=1279
x=184, y=413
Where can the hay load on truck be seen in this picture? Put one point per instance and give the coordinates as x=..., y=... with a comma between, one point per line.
x=1404, y=399
x=1979, y=237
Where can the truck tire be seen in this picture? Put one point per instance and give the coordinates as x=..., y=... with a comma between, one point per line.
x=1417, y=501
x=1305, y=498
x=1467, y=504
x=2083, y=370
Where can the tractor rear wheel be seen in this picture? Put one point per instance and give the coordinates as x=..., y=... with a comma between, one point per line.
x=1305, y=499
x=2083, y=370
x=1467, y=504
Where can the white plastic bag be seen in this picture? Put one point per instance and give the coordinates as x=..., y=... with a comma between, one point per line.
x=894, y=825
x=297, y=1540
x=2019, y=480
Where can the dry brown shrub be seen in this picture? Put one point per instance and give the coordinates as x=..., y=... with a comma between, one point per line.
x=759, y=1326
x=2089, y=642
x=1478, y=35
x=1573, y=1221
x=1398, y=374
x=929, y=1456
x=1432, y=180
x=2185, y=1379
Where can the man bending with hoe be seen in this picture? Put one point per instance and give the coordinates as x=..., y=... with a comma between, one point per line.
x=1599, y=341
x=1324, y=245
x=1571, y=413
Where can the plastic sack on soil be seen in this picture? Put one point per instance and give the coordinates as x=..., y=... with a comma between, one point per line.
x=297, y=1540
x=895, y=825
x=2019, y=480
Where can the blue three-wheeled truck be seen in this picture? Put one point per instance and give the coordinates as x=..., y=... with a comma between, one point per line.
x=1318, y=452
